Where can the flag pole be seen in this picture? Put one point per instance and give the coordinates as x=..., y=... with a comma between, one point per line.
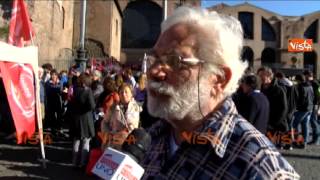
x=38, y=111
x=38, y=108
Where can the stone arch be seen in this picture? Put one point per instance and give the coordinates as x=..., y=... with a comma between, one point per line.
x=247, y=55
x=94, y=48
x=310, y=61
x=66, y=53
x=312, y=31
x=141, y=24
x=268, y=57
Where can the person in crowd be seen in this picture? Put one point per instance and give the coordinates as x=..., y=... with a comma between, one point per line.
x=129, y=107
x=64, y=81
x=119, y=80
x=315, y=125
x=110, y=100
x=123, y=116
x=140, y=91
x=193, y=69
x=53, y=109
x=96, y=87
x=304, y=108
x=72, y=81
x=256, y=104
x=63, y=76
x=239, y=96
x=46, y=72
x=128, y=77
x=81, y=109
x=277, y=123
x=109, y=86
x=291, y=94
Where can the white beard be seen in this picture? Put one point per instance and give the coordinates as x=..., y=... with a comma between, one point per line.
x=176, y=104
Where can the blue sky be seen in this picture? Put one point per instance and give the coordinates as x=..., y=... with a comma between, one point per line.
x=282, y=7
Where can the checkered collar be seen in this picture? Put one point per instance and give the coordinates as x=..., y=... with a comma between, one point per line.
x=217, y=129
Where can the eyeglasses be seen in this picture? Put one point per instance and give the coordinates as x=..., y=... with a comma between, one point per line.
x=174, y=61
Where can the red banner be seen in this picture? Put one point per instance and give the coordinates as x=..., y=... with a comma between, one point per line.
x=20, y=26
x=19, y=84
x=19, y=78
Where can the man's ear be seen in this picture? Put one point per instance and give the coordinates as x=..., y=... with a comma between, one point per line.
x=219, y=82
x=227, y=76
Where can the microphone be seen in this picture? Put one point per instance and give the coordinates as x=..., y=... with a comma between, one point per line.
x=114, y=164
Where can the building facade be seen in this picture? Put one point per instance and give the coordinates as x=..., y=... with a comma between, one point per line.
x=141, y=25
x=126, y=29
x=52, y=22
x=103, y=28
x=267, y=35
x=123, y=29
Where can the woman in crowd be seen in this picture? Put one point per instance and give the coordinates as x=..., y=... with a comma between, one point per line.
x=53, y=90
x=81, y=108
x=109, y=86
x=122, y=118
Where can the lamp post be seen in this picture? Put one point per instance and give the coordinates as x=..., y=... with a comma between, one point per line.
x=165, y=9
x=82, y=59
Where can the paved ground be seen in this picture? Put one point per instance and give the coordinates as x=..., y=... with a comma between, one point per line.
x=21, y=162
x=305, y=161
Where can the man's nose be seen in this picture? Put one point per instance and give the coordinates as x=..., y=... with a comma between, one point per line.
x=158, y=72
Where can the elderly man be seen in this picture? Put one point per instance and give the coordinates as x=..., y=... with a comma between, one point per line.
x=193, y=69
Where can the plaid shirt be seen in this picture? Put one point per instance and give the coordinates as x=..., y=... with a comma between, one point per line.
x=233, y=149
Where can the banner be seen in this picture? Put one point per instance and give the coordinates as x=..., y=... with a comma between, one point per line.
x=19, y=78
x=19, y=85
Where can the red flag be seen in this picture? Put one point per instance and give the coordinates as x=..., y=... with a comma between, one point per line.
x=19, y=78
x=19, y=84
x=20, y=29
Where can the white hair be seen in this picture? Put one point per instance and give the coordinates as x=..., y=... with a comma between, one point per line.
x=220, y=45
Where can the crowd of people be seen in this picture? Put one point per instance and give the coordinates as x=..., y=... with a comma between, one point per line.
x=96, y=105
x=283, y=108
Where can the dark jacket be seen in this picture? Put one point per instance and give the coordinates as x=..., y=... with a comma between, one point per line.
x=81, y=113
x=292, y=95
x=256, y=110
x=315, y=86
x=278, y=107
x=53, y=97
x=305, y=97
